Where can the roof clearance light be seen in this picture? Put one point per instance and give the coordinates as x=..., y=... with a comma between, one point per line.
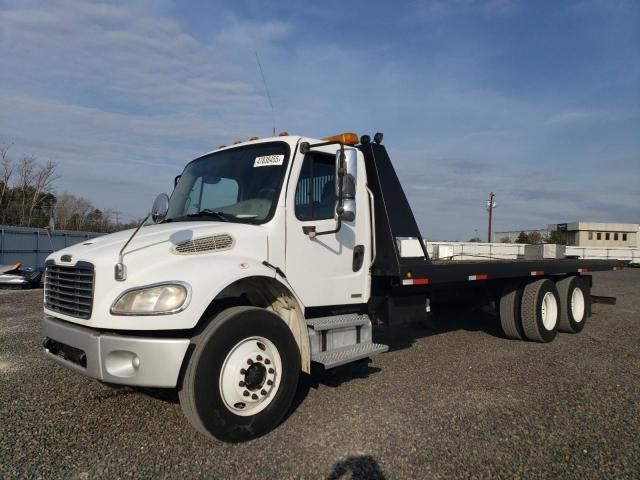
x=347, y=138
x=283, y=134
x=254, y=138
x=237, y=142
x=221, y=146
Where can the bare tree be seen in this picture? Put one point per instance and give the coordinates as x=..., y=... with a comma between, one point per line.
x=79, y=212
x=6, y=171
x=107, y=215
x=27, y=197
x=24, y=171
x=535, y=237
x=63, y=209
x=42, y=183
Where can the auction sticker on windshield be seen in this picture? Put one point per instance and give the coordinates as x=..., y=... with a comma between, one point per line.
x=268, y=161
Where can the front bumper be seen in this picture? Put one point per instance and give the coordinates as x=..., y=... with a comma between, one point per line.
x=114, y=358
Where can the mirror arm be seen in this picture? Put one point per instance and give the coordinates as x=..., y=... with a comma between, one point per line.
x=120, y=269
x=311, y=231
x=306, y=146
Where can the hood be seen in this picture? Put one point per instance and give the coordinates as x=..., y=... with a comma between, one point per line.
x=159, y=239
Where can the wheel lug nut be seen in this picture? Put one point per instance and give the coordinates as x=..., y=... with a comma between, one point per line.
x=245, y=393
x=259, y=358
x=263, y=392
x=269, y=382
x=242, y=371
x=241, y=384
x=271, y=370
x=249, y=361
x=254, y=396
x=267, y=361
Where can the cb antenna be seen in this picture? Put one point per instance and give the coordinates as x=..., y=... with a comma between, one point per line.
x=266, y=88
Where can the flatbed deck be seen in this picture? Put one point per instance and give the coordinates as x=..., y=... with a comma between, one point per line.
x=452, y=271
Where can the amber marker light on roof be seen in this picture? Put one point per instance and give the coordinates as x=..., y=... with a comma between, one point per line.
x=283, y=134
x=347, y=138
x=237, y=142
x=254, y=138
x=222, y=146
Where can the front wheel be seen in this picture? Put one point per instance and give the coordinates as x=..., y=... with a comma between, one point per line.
x=242, y=375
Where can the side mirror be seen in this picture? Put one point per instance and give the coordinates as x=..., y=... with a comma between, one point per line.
x=349, y=210
x=348, y=175
x=176, y=180
x=345, y=184
x=346, y=180
x=160, y=208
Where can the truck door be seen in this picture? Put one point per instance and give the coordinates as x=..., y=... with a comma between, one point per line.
x=330, y=269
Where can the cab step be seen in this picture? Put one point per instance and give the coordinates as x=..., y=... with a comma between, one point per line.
x=338, y=321
x=344, y=355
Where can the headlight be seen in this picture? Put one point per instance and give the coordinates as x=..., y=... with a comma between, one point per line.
x=152, y=300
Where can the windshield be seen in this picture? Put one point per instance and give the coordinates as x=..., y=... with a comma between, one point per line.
x=238, y=185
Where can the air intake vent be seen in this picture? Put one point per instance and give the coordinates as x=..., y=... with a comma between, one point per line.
x=210, y=243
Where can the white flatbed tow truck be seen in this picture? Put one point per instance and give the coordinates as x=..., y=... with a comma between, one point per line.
x=271, y=255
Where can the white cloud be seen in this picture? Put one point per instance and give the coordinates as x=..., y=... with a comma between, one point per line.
x=147, y=60
x=568, y=117
x=111, y=92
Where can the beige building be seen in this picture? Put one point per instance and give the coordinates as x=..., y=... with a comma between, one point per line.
x=595, y=234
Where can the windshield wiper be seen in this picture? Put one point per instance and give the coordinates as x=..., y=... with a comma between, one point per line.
x=211, y=213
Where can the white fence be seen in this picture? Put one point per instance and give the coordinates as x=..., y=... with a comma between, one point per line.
x=619, y=253
x=507, y=251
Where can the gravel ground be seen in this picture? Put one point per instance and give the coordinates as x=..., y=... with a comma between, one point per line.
x=461, y=403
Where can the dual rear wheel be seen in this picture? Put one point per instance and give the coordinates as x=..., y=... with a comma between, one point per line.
x=537, y=310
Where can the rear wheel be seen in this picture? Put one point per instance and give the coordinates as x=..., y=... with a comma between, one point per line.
x=575, y=303
x=242, y=376
x=540, y=310
x=510, y=303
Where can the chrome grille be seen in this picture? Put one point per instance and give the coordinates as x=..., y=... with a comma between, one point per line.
x=69, y=290
x=205, y=244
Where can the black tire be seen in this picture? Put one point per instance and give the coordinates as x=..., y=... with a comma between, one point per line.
x=568, y=311
x=531, y=311
x=199, y=393
x=510, y=304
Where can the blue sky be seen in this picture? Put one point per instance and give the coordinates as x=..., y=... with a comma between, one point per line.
x=538, y=101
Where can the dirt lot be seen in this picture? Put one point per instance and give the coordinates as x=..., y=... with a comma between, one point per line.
x=460, y=403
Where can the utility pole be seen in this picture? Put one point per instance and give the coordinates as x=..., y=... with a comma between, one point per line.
x=117, y=213
x=491, y=204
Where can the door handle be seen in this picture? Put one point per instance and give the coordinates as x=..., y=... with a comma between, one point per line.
x=358, y=257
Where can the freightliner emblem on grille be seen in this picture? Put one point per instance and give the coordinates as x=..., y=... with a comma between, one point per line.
x=66, y=258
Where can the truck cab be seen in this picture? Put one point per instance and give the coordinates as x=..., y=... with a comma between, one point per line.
x=277, y=231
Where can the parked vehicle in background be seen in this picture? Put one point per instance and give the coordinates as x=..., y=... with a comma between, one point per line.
x=14, y=276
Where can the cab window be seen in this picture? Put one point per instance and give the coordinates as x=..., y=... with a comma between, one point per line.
x=315, y=193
